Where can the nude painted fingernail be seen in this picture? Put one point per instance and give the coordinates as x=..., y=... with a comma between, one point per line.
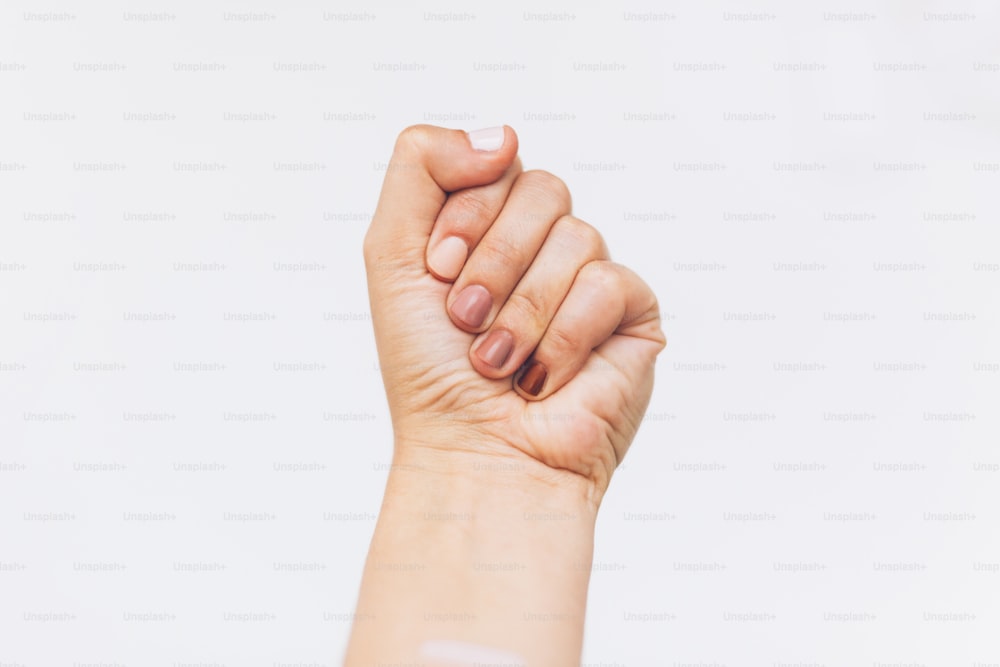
x=448, y=257
x=489, y=139
x=496, y=348
x=533, y=379
x=472, y=306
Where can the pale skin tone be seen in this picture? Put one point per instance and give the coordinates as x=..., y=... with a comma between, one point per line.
x=485, y=535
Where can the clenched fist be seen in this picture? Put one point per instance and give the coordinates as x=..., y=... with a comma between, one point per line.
x=503, y=328
x=518, y=362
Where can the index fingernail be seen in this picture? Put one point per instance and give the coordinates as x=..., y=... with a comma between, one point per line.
x=447, y=258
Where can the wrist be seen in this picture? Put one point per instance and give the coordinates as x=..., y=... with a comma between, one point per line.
x=476, y=546
x=468, y=468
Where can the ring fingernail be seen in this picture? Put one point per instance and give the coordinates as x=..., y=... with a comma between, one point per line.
x=496, y=348
x=472, y=306
x=533, y=379
x=448, y=257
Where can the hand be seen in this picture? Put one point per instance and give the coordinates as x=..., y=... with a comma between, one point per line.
x=477, y=274
x=507, y=341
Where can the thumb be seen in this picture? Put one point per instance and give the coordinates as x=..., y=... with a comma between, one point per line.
x=428, y=163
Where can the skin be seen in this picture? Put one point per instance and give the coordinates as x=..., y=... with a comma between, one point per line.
x=486, y=531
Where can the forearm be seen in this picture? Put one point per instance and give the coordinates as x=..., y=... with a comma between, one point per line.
x=493, y=551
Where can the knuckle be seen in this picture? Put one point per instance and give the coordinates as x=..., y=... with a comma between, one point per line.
x=498, y=255
x=523, y=308
x=412, y=139
x=561, y=340
x=581, y=234
x=466, y=209
x=602, y=275
x=546, y=185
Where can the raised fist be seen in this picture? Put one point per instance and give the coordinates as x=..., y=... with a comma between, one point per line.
x=503, y=328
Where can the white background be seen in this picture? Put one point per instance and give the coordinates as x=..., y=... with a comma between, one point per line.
x=193, y=434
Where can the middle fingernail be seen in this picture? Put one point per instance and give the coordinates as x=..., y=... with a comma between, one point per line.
x=496, y=348
x=472, y=306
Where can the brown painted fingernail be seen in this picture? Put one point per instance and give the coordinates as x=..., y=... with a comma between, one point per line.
x=533, y=379
x=496, y=348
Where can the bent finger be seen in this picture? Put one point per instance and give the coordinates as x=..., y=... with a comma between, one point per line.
x=606, y=299
x=427, y=163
